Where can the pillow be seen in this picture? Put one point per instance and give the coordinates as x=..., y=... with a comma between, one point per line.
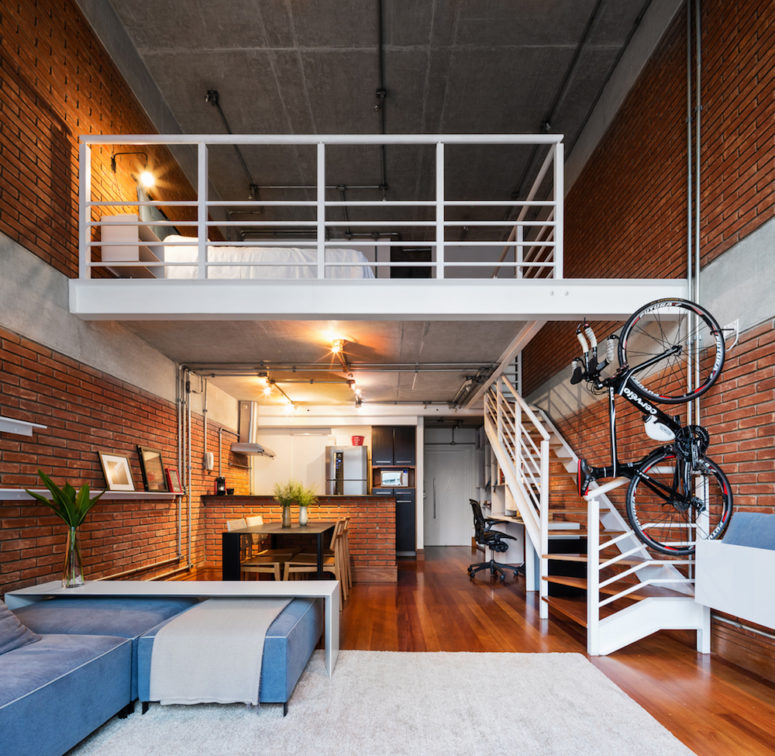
x=151, y=215
x=12, y=633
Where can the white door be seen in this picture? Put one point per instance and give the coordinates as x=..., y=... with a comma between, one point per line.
x=449, y=484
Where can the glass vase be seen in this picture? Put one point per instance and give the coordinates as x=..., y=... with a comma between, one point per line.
x=286, y=517
x=72, y=575
x=302, y=516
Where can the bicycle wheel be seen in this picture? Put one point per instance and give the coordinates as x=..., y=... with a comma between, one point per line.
x=671, y=327
x=664, y=517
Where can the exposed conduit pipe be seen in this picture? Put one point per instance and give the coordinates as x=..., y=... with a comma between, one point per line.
x=697, y=192
x=689, y=188
x=188, y=438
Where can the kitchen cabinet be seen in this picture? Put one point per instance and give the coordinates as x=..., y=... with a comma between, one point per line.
x=405, y=521
x=392, y=445
x=406, y=509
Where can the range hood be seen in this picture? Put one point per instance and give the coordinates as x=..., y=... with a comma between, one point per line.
x=247, y=432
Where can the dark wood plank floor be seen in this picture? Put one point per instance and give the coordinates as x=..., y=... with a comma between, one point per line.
x=711, y=706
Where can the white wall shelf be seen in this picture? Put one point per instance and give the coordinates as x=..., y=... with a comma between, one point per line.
x=19, y=494
x=19, y=427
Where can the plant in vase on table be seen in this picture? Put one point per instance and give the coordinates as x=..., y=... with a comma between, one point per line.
x=294, y=492
x=71, y=507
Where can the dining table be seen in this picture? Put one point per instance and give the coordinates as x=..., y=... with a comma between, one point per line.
x=230, y=542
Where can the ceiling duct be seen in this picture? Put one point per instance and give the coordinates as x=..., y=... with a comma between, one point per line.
x=248, y=430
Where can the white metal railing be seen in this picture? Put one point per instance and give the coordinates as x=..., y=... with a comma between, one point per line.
x=521, y=445
x=674, y=579
x=533, y=248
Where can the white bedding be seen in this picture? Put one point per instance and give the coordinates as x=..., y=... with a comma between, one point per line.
x=292, y=262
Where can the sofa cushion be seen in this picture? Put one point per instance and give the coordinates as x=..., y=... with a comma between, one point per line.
x=754, y=529
x=13, y=634
x=128, y=617
x=57, y=691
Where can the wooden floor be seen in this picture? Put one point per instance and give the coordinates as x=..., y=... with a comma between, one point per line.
x=710, y=705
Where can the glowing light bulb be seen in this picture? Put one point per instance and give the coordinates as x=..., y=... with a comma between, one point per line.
x=147, y=179
x=267, y=390
x=337, y=346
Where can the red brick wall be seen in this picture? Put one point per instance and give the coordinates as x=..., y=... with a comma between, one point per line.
x=59, y=83
x=626, y=214
x=372, y=528
x=86, y=411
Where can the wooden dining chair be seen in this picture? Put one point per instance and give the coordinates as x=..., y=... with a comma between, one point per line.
x=332, y=561
x=253, y=564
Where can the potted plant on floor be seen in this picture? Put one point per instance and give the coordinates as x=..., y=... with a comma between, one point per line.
x=290, y=493
x=71, y=506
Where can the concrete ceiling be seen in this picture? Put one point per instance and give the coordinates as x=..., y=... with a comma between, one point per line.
x=295, y=66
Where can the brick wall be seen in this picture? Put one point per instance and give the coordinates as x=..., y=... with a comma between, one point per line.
x=58, y=83
x=86, y=411
x=626, y=214
x=372, y=528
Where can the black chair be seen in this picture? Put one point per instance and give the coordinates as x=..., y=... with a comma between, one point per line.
x=494, y=540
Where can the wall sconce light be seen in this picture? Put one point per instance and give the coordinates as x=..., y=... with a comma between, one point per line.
x=146, y=177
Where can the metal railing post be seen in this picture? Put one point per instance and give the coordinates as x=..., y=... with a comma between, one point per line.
x=84, y=198
x=440, y=210
x=593, y=576
x=544, y=536
x=520, y=251
x=201, y=208
x=559, y=203
x=321, y=208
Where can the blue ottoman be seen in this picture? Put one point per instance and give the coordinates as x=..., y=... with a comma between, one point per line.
x=120, y=617
x=289, y=643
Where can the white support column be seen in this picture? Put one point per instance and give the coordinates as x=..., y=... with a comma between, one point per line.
x=201, y=209
x=593, y=576
x=84, y=198
x=559, y=204
x=440, y=210
x=321, y=210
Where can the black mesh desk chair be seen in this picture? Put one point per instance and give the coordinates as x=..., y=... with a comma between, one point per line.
x=494, y=540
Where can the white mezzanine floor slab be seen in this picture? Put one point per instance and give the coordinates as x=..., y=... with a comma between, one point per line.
x=452, y=299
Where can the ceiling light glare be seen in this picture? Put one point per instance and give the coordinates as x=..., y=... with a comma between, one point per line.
x=337, y=346
x=267, y=390
x=147, y=179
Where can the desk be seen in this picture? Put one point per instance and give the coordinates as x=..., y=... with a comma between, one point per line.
x=230, y=542
x=328, y=590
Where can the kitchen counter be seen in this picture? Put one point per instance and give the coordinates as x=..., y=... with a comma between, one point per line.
x=372, y=528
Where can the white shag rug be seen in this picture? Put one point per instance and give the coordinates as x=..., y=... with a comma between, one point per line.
x=411, y=703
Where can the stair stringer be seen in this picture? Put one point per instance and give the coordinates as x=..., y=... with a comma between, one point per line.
x=648, y=616
x=612, y=520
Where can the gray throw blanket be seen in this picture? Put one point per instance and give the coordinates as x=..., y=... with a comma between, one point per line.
x=212, y=652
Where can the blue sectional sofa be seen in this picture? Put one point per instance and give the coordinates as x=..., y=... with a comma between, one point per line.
x=67, y=665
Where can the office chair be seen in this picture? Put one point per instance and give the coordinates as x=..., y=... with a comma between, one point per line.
x=493, y=540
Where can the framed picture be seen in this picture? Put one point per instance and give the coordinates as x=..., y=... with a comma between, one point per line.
x=173, y=480
x=152, y=468
x=115, y=468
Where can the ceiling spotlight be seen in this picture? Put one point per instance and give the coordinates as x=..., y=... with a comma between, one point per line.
x=267, y=390
x=262, y=378
x=358, y=400
x=337, y=346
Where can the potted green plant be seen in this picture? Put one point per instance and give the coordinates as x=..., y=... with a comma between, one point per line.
x=71, y=507
x=290, y=493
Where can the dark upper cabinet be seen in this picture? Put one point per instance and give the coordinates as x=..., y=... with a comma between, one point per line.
x=403, y=445
x=392, y=445
x=381, y=445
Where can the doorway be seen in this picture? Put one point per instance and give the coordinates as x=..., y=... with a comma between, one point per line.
x=449, y=484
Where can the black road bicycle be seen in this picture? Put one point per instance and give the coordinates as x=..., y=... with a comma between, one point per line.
x=676, y=493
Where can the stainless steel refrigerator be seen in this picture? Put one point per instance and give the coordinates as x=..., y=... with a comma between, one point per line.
x=347, y=470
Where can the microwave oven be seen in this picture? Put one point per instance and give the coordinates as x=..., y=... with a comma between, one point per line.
x=393, y=478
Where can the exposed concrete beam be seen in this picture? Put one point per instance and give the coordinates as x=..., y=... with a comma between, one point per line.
x=134, y=299
x=521, y=340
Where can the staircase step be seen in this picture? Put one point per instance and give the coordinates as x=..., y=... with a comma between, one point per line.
x=574, y=609
x=647, y=591
x=584, y=558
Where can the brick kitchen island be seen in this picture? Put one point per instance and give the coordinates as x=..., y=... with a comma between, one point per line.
x=372, y=528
